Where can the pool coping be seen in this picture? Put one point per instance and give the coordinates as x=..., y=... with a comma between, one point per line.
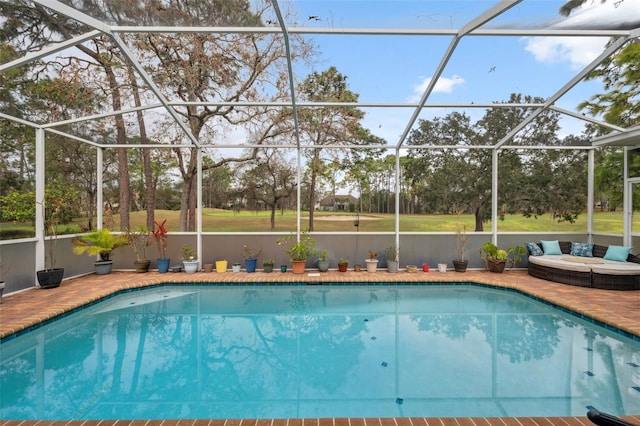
x=616, y=309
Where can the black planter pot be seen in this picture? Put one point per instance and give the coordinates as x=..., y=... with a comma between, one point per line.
x=50, y=278
x=460, y=265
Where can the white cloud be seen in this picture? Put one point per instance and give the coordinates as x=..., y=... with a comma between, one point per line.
x=578, y=51
x=443, y=85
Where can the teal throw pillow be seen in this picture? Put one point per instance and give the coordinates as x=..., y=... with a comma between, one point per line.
x=581, y=249
x=534, y=249
x=618, y=253
x=551, y=247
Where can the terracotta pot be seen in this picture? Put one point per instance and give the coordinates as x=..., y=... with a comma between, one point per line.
x=298, y=266
x=342, y=267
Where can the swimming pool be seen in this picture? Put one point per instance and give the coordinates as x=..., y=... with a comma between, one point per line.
x=317, y=351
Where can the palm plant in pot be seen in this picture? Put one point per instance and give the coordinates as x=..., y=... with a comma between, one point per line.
x=497, y=259
x=299, y=251
x=100, y=243
x=140, y=240
x=460, y=263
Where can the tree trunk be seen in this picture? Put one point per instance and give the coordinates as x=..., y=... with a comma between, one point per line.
x=121, y=136
x=123, y=160
x=478, y=217
x=149, y=183
x=273, y=206
x=312, y=189
x=125, y=193
x=188, y=202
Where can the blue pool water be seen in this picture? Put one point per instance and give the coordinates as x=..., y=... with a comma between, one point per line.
x=317, y=351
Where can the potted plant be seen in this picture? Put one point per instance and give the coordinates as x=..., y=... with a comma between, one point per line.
x=496, y=259
x=102, y=243
x=139, y=240
x=391, y=253
x=323, y=263
x=189, y=259
x=299, y=251
x=460, y=263
x=50, y=277
x=236, y=267
x=267, y=265
x=372, y=261
x=343, y=264
x=250, y=258
x=57, y=205
x=160, y=235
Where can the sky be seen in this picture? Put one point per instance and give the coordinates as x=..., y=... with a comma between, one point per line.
x=481, y=70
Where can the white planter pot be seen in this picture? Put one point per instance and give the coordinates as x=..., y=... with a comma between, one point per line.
x=190, y=266
x=372, y=265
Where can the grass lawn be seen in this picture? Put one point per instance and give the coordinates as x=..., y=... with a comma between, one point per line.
x=226, y=221
x=248, y=221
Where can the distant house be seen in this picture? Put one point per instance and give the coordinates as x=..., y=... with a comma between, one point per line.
x=337, y=203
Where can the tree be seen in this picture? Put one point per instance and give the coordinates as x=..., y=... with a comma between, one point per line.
x=270, y=181
x=322, y=126
x=221, y=67
x=459, y=180
x=620, y=73
x=31, y=26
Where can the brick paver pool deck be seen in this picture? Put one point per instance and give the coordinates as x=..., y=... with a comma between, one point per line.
x=620, y=309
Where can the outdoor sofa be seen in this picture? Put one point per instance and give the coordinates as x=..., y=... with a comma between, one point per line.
x=575, y=264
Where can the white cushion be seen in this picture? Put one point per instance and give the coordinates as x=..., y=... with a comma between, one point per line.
x=555, y=261
x=616, y=268
x=610, y=267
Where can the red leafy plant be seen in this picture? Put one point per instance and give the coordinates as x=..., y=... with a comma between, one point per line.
x=160, y=234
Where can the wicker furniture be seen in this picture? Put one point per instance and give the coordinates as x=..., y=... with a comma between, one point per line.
x=587, y=272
